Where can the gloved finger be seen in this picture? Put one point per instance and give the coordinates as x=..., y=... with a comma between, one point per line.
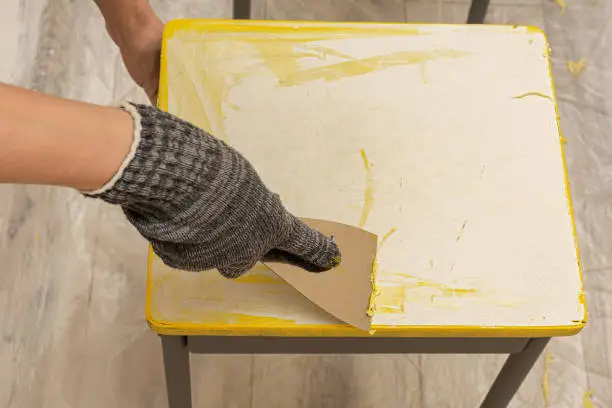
x=311, y=247
x=236, y=270
x=278, y=255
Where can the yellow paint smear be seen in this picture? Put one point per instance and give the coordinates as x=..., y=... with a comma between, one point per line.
x=217, y=317
x=540, y=94
x=220, y=31
x=282, y=57
x=561, y=3
x=386, y=236
x=325, y=52
x=448, y=290
x=563, y=140
x=312, y=30
x=442, y=289
x=576, y=326
x=368, y=198
x=375, y=290
x=545, y=389
x=391, y=300
x=587, y=401
x=185, y=89
x=575, y=67
x=363, y=66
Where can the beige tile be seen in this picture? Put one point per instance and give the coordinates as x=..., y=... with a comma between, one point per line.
x=330, y=10
x=336, y=381
x=455, y=12
x=425, y=11
x=222, y=381
x=517, y=14
x=458, y=381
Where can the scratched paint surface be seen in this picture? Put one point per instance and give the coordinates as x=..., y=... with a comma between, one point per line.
x=443, y=140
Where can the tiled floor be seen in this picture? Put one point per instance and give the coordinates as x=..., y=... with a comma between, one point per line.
x=72, y=275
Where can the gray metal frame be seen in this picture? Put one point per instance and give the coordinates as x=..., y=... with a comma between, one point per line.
x=478, y=11
x=523, y=354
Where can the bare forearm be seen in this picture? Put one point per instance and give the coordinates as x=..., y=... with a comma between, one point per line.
x=49, y=140
x=125, y=19
x=137, y=31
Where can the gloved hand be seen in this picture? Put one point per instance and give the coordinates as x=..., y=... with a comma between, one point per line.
x=201, y=204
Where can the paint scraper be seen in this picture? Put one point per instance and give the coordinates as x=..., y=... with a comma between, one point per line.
x=344, y=291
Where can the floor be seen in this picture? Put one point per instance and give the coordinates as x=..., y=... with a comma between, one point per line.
x=72, y=281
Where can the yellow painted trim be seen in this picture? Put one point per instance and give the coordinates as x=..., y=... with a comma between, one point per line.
x=217, y=26
x=562, y=140
x=326, y=28
x=162, y=92
x=337, y=330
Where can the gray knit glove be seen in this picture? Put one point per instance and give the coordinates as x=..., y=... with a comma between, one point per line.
x=202, y=205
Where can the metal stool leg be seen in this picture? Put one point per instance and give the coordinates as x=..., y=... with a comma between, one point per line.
x=478, y=11
x=513, y=373
x=176, y=366
x=242, y=9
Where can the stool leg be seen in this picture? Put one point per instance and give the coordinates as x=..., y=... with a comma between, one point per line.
x=512, y=374
x=242, y=10
x=176, y=367
x=478, y=11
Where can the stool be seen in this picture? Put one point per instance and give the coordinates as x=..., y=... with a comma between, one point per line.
x=442, y=140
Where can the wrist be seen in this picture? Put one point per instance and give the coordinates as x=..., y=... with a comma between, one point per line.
x=53, y=141
x=131, y=25
x=116, y=145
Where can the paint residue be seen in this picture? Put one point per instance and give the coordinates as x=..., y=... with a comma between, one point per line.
x=375, y=290
x=545, y=389
x=345, y=69
x=587, y=400
x=282, y=57
x=231, y=318
x=563, y=140
x=561, y=3
x=442, y=289
x=391, y=300
x=461, y=230
x=325, y=52
x=245, y=30
x=185, y=90
x=368, y=198
x=386, y=236
x=202, y=100
x=540, y=94
x=575, y=67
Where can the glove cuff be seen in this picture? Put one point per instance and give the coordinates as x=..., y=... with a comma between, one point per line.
x=170, y=159
x=136, y=131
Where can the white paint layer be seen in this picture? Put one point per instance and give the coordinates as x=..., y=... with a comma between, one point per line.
x=459, y=127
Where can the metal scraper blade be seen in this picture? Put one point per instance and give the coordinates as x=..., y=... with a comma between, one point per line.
x=344, y=291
